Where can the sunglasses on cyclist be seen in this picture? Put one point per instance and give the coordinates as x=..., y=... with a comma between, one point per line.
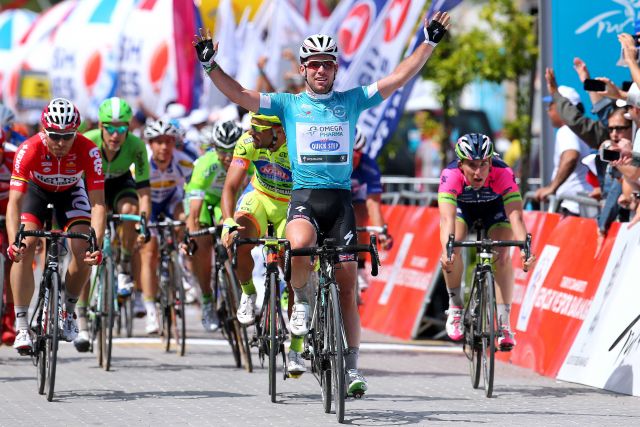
x=117, y=129
x=55, y=136
x=259, y=128
x=315, y=65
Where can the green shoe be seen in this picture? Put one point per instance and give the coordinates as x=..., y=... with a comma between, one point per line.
x=357, y=384
x=284, y=299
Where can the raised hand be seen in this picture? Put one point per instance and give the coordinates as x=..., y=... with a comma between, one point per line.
x=435, y=30
x=205, y=49
x=581, y=69
x=550, y=77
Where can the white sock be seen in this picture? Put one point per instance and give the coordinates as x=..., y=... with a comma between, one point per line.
x=22, y=316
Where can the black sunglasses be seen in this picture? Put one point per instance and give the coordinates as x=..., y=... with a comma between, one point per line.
x=55, y=136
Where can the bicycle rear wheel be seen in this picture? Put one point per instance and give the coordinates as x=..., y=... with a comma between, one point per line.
x=488, y=333
x=53, y=323
x=472, y=318
x=273, y=339
x=336, y=339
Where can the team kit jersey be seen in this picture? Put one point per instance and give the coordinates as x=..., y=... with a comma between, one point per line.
x=206, y=183
x=5, y=175
x=365, y=179
x=267, y=197
x=320, y=132
x=486, y=203
x=167, y=187
x=133, y=151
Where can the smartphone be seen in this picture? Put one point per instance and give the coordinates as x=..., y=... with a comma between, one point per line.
x=626, y=85
x=593, y=85
x=609, y=155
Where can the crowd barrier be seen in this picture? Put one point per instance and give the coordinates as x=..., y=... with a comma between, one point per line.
x=566, y=312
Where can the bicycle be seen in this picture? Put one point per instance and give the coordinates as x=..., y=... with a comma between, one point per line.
x=326, y=343
x=225, y=294
x=105, y=309
x=271, y=329
x=172, y=294
x=481, y=328
x=48, y=312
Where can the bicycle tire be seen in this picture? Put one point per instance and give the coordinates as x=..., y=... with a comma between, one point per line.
x=2, y=289
x=337, y=347
x=108, y=303
x=128, y=314
x=226, y=317
x=53, y=324
x=178, y=309
x=472, y=318
x=240, y=329
x=39, y=349
x=273, y=343
x=488, y=335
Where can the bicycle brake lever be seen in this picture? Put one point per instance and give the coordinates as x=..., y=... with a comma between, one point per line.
x=373, y=251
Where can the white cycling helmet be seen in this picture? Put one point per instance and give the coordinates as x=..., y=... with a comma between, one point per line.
x=158, y=128
x=6, y=116
x=60, y=114
x=318, y=44
x=361, y=140
x=225, y=134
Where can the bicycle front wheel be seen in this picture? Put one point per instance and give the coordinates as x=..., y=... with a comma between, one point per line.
x=39, y=346
x=226, y=316
x=239, y=329
x=488, y=333
x=53, y=323
x=472, y=349
x=273, y=339
x=178, y=308
x=107, y=311
x=336, y=339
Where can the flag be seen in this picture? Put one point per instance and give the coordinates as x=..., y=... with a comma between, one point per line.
x=380, y=126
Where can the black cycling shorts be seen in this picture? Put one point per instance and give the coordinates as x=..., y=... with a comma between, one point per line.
x=331, y=213
x=70, y=207
x=491, y=214
x=123, y=186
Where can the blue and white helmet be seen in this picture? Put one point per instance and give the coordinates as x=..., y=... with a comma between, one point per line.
x=318, y=44
x=474, y=146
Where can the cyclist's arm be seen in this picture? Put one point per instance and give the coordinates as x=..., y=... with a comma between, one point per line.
x=246, y=98
x=447, y=221
x=14, y=206
x=233, y=182
x=514, y=213
x=98, y=213
x=373, y=208
x=405, y=70
x=144, y=198
x=195, y=207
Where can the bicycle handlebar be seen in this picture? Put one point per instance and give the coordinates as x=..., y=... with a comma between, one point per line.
x=57, y=235
x=488, y=243
x=189, y=236
x=374, y=229
x=267, y=241
x=329, y=249
x=143, y=229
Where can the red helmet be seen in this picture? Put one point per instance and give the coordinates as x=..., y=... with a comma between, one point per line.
x=60, y=114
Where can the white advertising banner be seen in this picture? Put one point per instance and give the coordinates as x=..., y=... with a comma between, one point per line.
x=14, y=24
x=614, y=307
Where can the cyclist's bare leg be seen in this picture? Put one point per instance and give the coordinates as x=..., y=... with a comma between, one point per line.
x=300, y=233
x=453, y=279
x=504, y=267
x=346, y=276
x=127, y=205
x=22, y=283
x=244, y=269
x=148, y=268
x=78, y=272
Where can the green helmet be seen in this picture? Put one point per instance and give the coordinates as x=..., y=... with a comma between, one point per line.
x=115, y=110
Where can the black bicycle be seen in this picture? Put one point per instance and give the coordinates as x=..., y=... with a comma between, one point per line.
x=326, y=342
x=172, y=293
x=225, y=293
x=271, y=329
x=48, y=312
x=480, y=320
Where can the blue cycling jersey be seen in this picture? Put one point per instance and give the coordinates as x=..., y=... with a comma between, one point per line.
x=320, y=132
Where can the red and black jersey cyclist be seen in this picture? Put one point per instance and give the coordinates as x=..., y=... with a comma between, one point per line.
x=58, y=166
x=479, y=186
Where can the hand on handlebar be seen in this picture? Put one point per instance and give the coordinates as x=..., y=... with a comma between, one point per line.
x=229, y=228
x=93, y=258
x=386, y=241
x=15, y=253
x=446, y=263
x=527, y=263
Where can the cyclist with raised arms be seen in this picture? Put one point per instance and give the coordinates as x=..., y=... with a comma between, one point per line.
x=479, y=186
x=320, y=128
x=48, y=168
x=169, y=170
x=204, y=190
x=266, y=200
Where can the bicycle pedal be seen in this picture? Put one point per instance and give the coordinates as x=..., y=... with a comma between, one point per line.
x=294, y=376
x=25, y=352
x=358, y=394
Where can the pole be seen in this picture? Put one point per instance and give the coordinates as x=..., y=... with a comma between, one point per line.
x=546, y=60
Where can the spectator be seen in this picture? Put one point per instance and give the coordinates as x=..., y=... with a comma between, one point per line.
x=569, y=175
